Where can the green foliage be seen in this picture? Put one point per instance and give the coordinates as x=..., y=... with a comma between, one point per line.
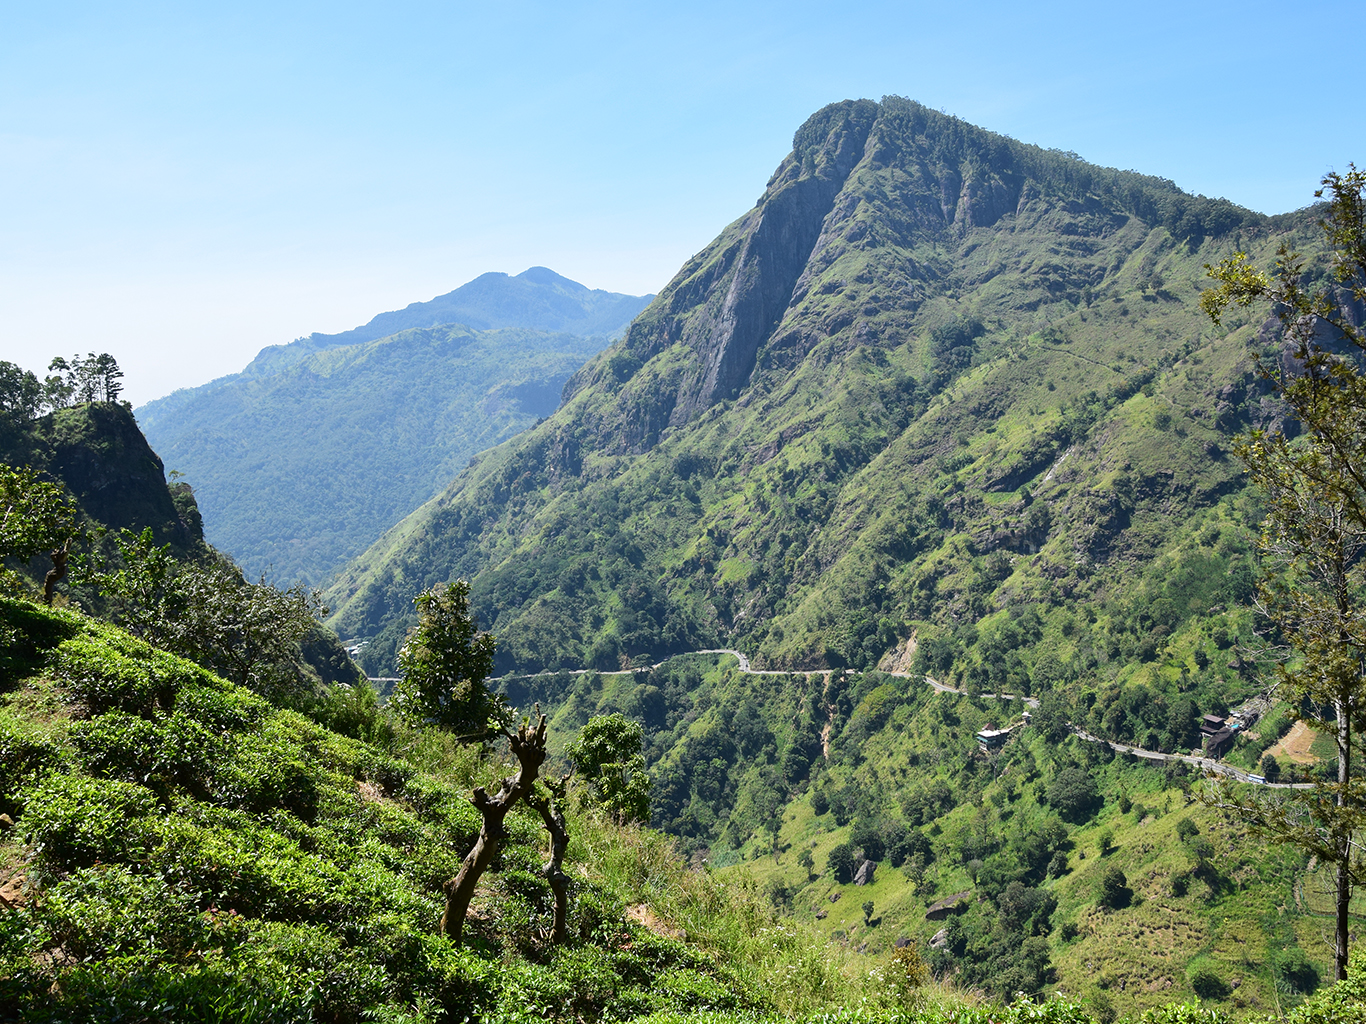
x=1185, y=1013
x=444, y=662
x=1074, y=793
x=93, y=379
x=607, y=754
x=36, y=516
x=840, y=863
x=1314, y=531
x=75, y=821
x=21, y=393
x=207, y=612
x=1340, y=1003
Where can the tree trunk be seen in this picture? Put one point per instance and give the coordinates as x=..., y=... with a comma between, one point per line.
x=552, y=813
x=528, y=746
x=1343, y=840
x=58, y=571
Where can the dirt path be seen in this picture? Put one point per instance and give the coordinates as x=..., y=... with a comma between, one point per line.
x=1294, y=745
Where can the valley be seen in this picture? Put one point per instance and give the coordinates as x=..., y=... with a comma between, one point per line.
x=888, y=583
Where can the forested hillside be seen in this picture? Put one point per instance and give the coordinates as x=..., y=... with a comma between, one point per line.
x=313, y=451
x=935, y=380
x=942, y=404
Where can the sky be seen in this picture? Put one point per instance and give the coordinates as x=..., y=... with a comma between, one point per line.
x=184, y=184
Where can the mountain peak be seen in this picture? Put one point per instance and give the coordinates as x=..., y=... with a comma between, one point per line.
x=915, y=311
x=546, y=276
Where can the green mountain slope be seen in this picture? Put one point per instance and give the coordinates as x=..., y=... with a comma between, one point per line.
x=317, y=447
x=934, y=373
x=771, y=776
x=299, y=469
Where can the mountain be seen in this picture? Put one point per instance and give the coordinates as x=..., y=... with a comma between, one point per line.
x=537, y=299
x=318, y=447
x=941, y=404
x=935, y=375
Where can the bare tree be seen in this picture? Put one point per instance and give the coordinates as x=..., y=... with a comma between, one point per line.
x=528, y=746
x=552, y=813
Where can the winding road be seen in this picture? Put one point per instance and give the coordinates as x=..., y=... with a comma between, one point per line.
x=1204, y=763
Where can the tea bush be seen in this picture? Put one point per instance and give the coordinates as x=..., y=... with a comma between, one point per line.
x=74, y=821
x=198, y=854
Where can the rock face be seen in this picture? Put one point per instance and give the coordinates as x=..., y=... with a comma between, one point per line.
x=97, y=450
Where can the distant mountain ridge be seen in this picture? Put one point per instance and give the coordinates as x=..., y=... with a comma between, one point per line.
x=537, y=299
x=317, y=447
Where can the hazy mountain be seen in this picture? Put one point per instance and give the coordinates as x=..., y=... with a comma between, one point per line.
x=315, y=449
x=535, y=300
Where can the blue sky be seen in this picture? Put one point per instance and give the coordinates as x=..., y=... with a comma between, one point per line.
x=186, y=183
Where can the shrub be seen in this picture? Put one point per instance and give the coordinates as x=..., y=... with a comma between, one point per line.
x=1185, y=1013
x=266, y=772
x=239, y=865
x=72, y=821
x=222, y=708
x=910, y=967
x=866, y=834
x=840, y=863
x=25, y=756
x=1207, y=984
x=1074, y=793
x=1271, y=768
x=105, y=669
x=109, y=911
x=1057, y=867
x=1114, y=888
x=1297, y=970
